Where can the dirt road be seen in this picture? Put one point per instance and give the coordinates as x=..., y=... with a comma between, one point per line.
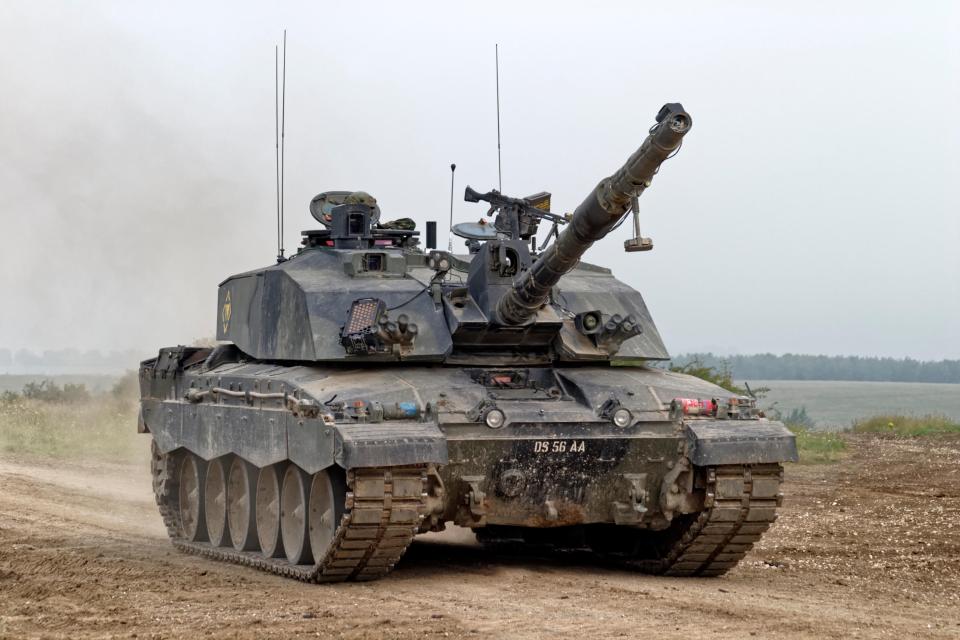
x=867, y=548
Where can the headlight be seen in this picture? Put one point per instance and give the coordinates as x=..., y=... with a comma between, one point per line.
x=494, y=418
x=622, y=417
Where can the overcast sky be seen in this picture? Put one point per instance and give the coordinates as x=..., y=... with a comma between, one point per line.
x=813, y=208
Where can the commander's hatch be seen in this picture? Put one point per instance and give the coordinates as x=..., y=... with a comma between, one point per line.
x=352, y=221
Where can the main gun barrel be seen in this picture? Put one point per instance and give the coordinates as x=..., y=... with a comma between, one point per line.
x=595, y=217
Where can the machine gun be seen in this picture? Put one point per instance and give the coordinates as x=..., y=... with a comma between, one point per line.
x=600, y=212
x=516, y=218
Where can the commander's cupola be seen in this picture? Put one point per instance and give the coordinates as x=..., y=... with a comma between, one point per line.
x=352, y=221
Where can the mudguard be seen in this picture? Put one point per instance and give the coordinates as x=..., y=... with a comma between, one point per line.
x=389, y=444
x=718, y=442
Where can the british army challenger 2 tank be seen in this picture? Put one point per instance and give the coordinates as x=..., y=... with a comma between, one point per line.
x=365, y=390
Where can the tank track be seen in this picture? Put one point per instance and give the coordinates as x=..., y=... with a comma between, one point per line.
x=740, y=504
x=384, y=508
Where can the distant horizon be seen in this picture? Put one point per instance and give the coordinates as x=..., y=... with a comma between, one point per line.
x=676, y=352
x=75, y=361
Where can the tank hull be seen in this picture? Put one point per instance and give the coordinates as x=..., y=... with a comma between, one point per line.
x=557, y=461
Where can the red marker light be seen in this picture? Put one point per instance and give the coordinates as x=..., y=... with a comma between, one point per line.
x=695, y=406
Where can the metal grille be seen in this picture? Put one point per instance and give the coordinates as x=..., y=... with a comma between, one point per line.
x=364, y=314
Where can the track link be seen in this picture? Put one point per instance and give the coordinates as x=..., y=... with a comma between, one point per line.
x=384, y=508
x=740, y=505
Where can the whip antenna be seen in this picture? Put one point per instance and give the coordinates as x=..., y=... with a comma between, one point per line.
x=496, y=59
x=276, y=139
x=453, y=169
x=283, y=134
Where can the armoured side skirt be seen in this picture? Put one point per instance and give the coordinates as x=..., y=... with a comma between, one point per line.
x=265, y=437
x=723, y=442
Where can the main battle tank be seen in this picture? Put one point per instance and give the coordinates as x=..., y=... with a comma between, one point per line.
x=365, y=390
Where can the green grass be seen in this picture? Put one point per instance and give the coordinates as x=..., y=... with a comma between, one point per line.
x=818, y=447
x=102, y=428
x=907, y=426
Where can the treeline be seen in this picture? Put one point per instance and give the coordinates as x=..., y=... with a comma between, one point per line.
x=767, y=366
x=49, y=391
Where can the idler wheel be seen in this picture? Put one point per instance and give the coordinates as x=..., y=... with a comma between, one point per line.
x=293, y=515
x=192, y=522
x=241, y=489
x=327, y=496
x=267, y=511
x=215, y=503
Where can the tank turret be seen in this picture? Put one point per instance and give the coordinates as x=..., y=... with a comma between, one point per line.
x=600, y=212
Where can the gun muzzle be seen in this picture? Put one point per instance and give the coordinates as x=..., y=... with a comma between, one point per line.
x=595, y=217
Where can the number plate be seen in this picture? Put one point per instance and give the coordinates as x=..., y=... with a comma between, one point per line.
x=573, y=446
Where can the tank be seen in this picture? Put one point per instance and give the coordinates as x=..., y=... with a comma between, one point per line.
x=368, y=389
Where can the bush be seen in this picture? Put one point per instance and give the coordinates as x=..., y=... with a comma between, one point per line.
x=127, y=387
x=48, y=391
x=798, y=418
x=722, y=377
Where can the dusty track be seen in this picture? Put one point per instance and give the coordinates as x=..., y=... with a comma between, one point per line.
x=869, y=548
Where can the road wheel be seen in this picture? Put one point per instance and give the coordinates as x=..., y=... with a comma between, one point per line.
x=327, y=498
x=241, y=489
x=293, y=515
x=192, y=521
x=215, y=503
x=267, y=511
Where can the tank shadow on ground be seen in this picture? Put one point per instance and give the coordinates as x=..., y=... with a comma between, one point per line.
x=429, y=557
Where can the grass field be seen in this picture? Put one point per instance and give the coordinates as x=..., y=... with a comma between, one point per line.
x=101, y=428
x=48, y=420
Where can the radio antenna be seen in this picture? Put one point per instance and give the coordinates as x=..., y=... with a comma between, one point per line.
x=283, y=135
x=496, y=58
x=453, y=169
x=276, y=139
